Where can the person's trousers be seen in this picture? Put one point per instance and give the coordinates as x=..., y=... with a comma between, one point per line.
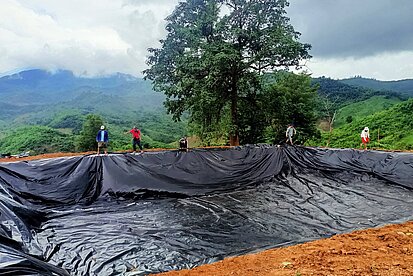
x=136, y=142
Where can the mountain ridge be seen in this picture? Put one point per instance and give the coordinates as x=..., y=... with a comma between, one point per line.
x=38, y=86
x=404, y=86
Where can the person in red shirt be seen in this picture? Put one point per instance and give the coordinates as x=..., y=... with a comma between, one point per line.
x=136, y=134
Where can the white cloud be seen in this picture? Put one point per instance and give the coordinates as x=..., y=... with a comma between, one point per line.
x=106, y=36
x=385, y=66
x=350, y=37
x=92, y=37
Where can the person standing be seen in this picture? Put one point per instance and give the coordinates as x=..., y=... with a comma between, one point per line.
x=136, y=138
x=102, y=138
x=365, y=138
x=290, y=133
x=183, y=144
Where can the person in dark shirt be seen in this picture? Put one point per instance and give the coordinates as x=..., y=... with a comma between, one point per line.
x=183, y=144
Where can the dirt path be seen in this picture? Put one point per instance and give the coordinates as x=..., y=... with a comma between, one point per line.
x=386, y=251
x=64, y=154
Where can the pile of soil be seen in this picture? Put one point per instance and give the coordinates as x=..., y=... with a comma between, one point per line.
x=379, y=251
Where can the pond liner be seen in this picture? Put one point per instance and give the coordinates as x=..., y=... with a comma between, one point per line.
x=160, y=211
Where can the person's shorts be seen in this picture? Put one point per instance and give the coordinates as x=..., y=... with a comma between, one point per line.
x=364, y=140
x=102, y=145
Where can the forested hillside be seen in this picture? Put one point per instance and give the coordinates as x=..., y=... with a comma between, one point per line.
x=359, y=110
x=341, y=94
x=402, y=86
x=60, y=102
x=389, y=129
x=352, y=107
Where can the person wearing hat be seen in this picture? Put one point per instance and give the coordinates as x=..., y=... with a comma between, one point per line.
x=102, y=139
x=136, y=135
x=365, y=138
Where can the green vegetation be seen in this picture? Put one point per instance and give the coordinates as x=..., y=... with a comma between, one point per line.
x=285, y=98
x=68, y=119
x=401, y=86
x=158, y=131
x=341, y=94
x=86, y=141
x=211, y=62
x=289, y=99
x=37, y=140
x=121, y=102
x=359, y=110
x=389, y=129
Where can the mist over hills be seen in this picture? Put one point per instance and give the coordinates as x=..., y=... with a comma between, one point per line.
x=39, y=87
x=38, y=93
x=34, y=87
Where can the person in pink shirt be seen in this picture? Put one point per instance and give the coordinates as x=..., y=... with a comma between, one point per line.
x=136, y=135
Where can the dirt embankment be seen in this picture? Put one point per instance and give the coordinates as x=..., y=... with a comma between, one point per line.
x=386, y=251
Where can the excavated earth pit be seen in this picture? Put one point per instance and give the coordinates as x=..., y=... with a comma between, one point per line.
x=160, y=211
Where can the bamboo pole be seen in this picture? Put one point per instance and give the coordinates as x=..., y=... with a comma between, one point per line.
x=378, y=135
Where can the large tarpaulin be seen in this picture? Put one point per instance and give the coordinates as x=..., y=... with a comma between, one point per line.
x=137, y=214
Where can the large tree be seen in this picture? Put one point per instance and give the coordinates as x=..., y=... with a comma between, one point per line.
x=214, y=52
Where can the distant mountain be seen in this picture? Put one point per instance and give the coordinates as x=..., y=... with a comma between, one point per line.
x=44, y=104
x=402, y=86
x=38, y=87
x=342, y=94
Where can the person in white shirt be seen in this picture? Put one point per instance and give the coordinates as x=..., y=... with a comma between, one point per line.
x=290, y=133
x=365, y=138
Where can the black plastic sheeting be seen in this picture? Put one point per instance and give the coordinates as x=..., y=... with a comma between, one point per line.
x=138, y=214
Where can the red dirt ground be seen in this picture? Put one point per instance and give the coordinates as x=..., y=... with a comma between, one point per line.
x=386, y=251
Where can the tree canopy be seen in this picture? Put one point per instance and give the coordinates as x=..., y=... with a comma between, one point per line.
x=87, y=138
x=289, y=99
x=214, y=55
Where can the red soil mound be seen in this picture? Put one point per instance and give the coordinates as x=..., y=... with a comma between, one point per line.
x=379, y=251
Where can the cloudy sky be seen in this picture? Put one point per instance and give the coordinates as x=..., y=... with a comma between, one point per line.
x=370, y=38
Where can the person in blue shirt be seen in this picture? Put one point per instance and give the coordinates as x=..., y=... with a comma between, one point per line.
x=102, y=139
